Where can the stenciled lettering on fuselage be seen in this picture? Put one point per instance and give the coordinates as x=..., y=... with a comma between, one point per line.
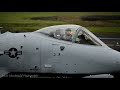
x=12, y=52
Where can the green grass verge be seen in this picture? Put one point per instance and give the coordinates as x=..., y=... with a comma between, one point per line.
x=23, y=17
x=104, y=30
x=20, y=21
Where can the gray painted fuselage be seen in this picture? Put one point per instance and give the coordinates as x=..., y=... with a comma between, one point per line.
x=42, y=54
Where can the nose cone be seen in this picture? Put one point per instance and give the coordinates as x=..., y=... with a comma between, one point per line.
x=108, y=61
x=114, y=60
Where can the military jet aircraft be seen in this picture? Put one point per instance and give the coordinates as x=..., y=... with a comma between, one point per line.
x=69, y=50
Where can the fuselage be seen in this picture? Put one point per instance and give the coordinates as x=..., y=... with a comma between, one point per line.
x=37, y=53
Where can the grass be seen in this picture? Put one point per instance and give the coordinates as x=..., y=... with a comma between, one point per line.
x=114, y=30
x=20, y=21
x=23, y=17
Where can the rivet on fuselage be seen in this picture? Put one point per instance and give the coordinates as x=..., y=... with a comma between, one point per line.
x=21, y=47
x=24, y=35
x=37, y=48
x=17, y=57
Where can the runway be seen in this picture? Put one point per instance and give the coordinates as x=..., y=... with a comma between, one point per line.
x=113, y=41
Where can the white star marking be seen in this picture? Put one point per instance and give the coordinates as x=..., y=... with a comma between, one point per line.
x=12, y=53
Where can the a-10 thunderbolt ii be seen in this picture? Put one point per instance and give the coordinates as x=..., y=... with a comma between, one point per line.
x=69, y=50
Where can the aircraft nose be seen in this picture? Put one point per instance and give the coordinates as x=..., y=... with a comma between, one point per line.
x=115, y=59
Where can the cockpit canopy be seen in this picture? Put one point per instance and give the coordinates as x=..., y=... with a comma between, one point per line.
x=72, y=33
x=63, y=32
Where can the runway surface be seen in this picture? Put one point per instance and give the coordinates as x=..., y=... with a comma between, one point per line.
x=112, y=41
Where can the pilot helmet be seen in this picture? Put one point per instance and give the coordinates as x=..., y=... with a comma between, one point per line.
x=69, y=32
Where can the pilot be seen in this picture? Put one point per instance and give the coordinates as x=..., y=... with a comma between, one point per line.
x=68, y=34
